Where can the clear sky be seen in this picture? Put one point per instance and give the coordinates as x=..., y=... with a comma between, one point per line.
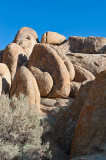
x=67, y=17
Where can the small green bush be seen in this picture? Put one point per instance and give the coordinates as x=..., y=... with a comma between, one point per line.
x=20, y=131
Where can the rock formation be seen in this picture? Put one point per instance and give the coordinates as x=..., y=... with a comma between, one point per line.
x=25, y=83
x=5, y=79
x=14, y=56
x=47, y=60
x=90, y=133
x=53, y=38
x=44, y=80
x=66, y=82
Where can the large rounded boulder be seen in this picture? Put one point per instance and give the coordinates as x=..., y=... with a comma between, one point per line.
x=25, y=83
x=14, y=56
x=44, y=80
x=67, y=62
x=26, y=38
x=53, y=38
x=47, y=60
x=5, y=78
x=27, y=30
x=81, y=74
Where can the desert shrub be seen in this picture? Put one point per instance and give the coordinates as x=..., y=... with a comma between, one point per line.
x=20, y=131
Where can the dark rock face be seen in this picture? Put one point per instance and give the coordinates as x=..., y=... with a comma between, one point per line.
x=67, y=121
x=1, y=55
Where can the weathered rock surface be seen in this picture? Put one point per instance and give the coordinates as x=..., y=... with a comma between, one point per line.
x=1, y=55
x=90, y=133
x=53, y=38
x=0, y=85
x=90, y=45
x=67, y=62
x=28, y=31
x=44, y=80
x=67, y=121
x=75, y=87
x=81, y=74
x=25, y=83
x=53, y=107
x=26, y=41
x=95, y=63
x=47, y=60
x=5, y=77
x=14, y=56
x=93, y=45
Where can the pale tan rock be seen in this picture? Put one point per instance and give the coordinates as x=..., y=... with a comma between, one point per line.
x=27, y=30
x=47, y=60
x=26, y=41
x=6, y=78
x=53, y=106
x=14, y=56
x=66, y=122
x=25, y=83
x=81, y=74
x=44, y=80
x=90, y=133
x=75, y=87
x=95, y=63
x=67, y=62
x=0, y=85
x=53, y=38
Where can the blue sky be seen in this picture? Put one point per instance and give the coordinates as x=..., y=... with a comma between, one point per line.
x=67, y=17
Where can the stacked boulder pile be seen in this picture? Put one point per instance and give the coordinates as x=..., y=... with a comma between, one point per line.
x=61, y=73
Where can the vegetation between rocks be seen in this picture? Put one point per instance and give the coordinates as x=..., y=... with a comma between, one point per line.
x=21, y=131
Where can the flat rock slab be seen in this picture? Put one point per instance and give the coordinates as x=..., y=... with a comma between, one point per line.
x=95, y=63
x=53, y=106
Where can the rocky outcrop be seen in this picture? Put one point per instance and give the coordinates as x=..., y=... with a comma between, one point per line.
x=26, y=38
x=5, y=79
x=67, y=121
x=27, y=30
x=0, y=85
x=67, y=62
x=47, y=60
x=44, y=80
x=53, y=106
x=91, y=45
x=81, y=74
x=14, y=56
x=95, y=63
x=25, y=83
x=53, y=38
x=27, y=42
x=90, y=133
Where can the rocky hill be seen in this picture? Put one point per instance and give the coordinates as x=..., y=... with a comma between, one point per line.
x=66, y=81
